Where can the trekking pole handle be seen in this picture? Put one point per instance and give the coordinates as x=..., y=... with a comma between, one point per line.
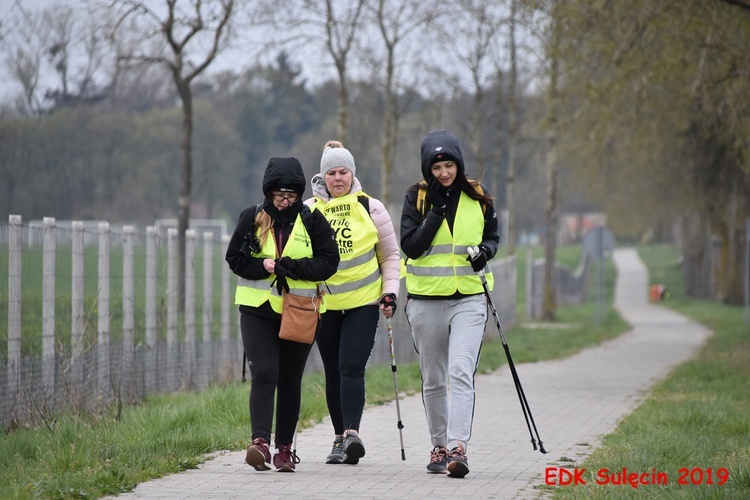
x=473, y=252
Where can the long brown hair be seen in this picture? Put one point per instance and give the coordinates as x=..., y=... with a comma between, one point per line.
x=473, y=190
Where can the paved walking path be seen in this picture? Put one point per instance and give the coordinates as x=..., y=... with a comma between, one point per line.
x=575, y=402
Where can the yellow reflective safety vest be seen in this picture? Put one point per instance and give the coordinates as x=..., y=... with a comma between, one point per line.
x=357, y=281
x=254, y=293
x=443, y=269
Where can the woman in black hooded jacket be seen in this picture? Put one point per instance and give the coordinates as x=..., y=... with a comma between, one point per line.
x=444, y=216
x=277, y=244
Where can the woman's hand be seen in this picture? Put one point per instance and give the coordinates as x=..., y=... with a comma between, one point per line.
x=388, y=304
x=269, y=264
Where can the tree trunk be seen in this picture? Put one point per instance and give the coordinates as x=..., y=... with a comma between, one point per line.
x=478, y=125
x=186, y=185
x=729, y=270
x=513, y=135
x=388, y=133
x=550, y=241
x=696, y=256
x=550, y=279
x=343, y=128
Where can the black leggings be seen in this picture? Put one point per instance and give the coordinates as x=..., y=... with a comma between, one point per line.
x=275, y=364
x=345, y=343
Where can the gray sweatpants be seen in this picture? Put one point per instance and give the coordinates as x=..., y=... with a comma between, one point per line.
x=448, y=337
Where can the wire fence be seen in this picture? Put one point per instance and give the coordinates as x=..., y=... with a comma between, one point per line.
x=90, y=317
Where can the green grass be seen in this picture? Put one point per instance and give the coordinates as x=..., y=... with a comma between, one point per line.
x=697, y=419
x=83, y=456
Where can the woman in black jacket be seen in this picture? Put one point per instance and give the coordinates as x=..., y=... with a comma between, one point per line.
x=279, y=244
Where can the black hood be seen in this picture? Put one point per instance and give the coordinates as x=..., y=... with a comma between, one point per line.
x=284, y=173
x=440, y=145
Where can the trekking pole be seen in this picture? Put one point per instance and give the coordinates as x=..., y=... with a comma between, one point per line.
x=395, y=388
x=521, y=395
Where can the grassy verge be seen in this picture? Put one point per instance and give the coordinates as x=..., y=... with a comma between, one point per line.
x=82, y=456
x=695, y=426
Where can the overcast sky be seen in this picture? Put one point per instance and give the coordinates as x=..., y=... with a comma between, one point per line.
x=314, y=61
x=315, y=66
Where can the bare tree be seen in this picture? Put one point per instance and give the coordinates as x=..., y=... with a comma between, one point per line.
x=396, y=21
x=57, y=41
x=24, y=47
x=480, y=22
x=552, y=48
x=340, y=36
x=185, y=41
x=333, y=26
x=513, y=128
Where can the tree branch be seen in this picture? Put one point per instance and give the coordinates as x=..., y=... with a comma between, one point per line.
x=743, y=4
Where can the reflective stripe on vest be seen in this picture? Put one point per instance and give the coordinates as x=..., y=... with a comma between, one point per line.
x=254, y=293
x=443, y=269
x=357, y=280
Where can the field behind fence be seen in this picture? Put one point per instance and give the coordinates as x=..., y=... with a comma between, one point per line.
x=90, y=318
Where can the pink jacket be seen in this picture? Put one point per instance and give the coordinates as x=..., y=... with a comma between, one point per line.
x=386, y=248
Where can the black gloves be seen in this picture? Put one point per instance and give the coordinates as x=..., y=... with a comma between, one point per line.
x=480, y=259
x=286, y=267
x=438, y=195
x=388, y=304
x=389, y=300
x=281, y=284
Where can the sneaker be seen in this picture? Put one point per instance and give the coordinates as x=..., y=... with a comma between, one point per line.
x=458, y=465
x=354, y=449
x=337, y=452
x=438, y=460
x=285, y=458
x=258, y=456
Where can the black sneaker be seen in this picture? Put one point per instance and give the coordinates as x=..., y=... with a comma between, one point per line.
x=458, y=465
x=354, y=449
x=438, y=460
x=337, y=452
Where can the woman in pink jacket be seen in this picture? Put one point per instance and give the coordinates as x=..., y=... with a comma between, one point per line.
x=366, y=282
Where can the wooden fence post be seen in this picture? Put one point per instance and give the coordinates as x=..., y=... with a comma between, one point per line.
x=172, y=294
x=77, y=316
x=103, y=333
x=226, y=274
x=49, y=252
x=128, y=314
x=15, y=248
x=209, y=360
x=151, y=357
x=189, y=344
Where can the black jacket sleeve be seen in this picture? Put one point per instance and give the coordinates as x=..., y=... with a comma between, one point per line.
x=251, y=267
x=325, y=260
x=417, y=234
